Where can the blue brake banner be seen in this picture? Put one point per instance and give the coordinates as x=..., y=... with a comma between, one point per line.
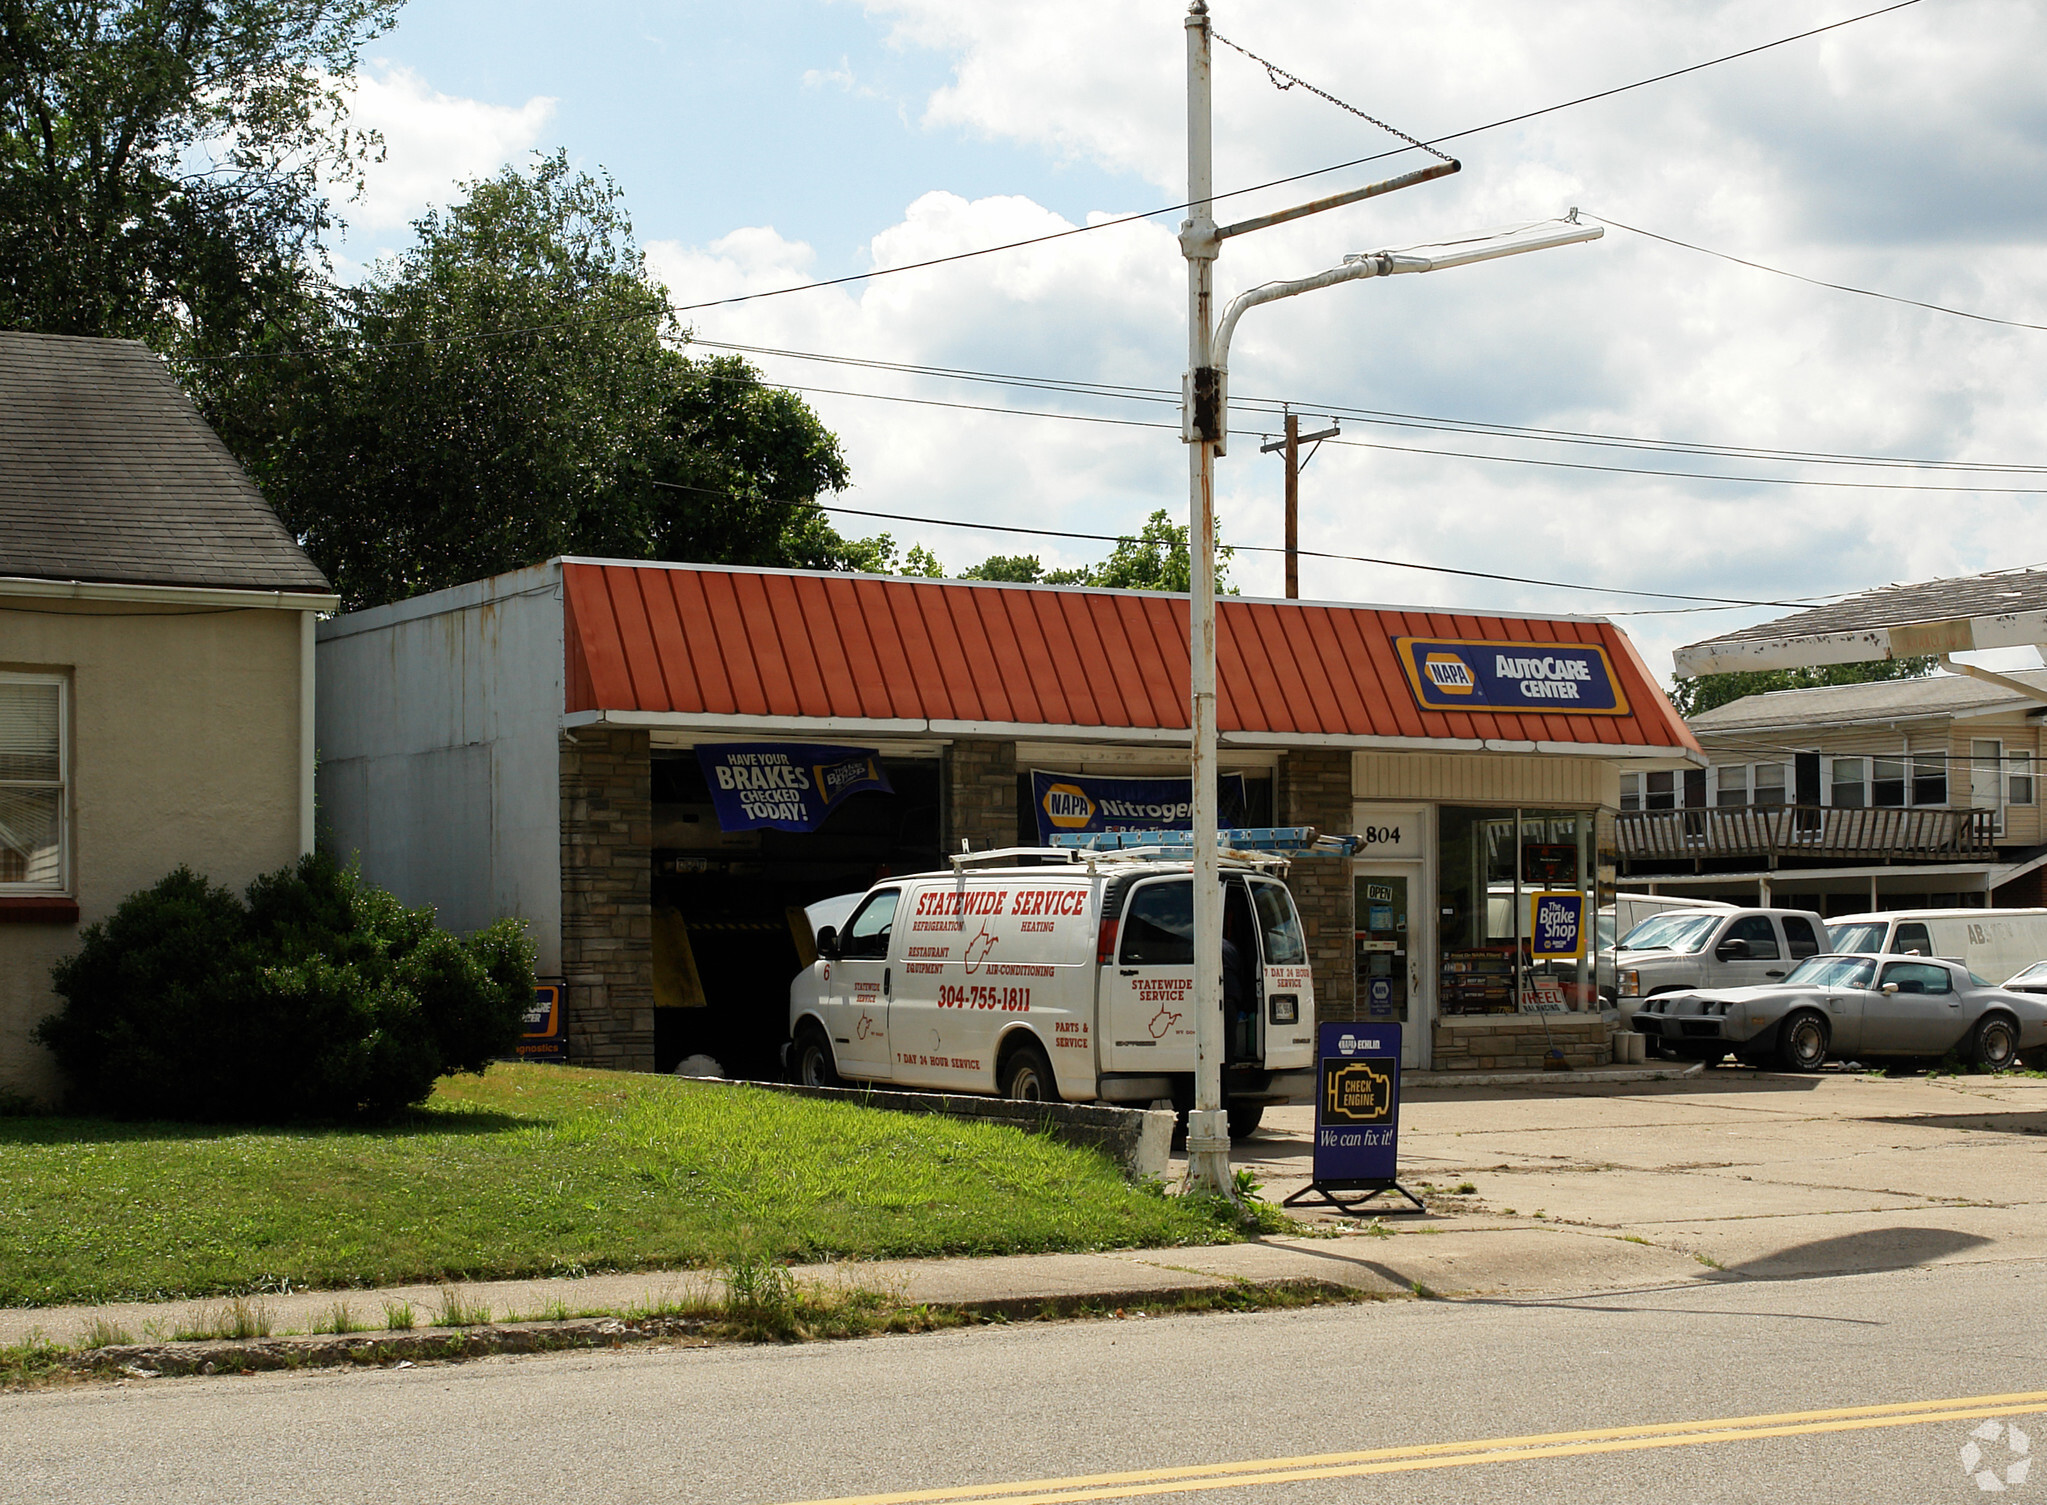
x=785, y=786
x=1357, y=1105
x=1471, y=674
x=1082, y=802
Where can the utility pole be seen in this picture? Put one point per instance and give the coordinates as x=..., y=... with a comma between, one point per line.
x=1204, y=420
x=1290, y=446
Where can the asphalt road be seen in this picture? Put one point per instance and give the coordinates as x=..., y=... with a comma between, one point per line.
x=978, y=1415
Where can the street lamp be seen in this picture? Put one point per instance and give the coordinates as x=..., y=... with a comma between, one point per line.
x=1204, y=425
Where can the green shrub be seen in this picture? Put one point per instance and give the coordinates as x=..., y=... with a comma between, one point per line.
x=320, y=997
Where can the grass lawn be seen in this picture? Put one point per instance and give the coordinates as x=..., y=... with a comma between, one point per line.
x=541, y=1170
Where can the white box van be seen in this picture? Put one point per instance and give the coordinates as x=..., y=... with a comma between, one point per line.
x=1997, y=944
x=1072, y=980
x=1713, y=948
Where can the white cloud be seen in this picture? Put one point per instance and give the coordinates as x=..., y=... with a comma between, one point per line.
x=433, y=141
x=1858, y=157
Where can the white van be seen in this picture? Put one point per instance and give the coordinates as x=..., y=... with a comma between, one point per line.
x=1994, y=943
x=1072, y=980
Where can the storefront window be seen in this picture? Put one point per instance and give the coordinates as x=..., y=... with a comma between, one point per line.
x=1515, y=900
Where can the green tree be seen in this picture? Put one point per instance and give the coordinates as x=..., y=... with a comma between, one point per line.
x=1157, y=559
x=1154, y=559
x=1691, y=697
x=509, y=389
x=162, y=161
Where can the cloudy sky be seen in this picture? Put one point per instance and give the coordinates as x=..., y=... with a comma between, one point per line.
x=788, y=141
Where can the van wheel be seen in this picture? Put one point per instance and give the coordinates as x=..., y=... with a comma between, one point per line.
x=1995, y=1044
x=1245, y=1118
x=814, y=1064
x=1027, y=1076
x=1802, y=1042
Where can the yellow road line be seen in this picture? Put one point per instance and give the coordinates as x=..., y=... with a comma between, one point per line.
x=1235, y=1475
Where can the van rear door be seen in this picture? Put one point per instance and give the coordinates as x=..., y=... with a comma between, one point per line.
x=1147, y=986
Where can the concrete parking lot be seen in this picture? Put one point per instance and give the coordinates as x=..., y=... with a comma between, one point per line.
x=1751, y=1172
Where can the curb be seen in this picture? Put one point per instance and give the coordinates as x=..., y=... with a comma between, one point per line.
x=445, y=1345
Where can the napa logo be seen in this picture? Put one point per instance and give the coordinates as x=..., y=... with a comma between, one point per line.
x=1449, y=674
x=1068, y=808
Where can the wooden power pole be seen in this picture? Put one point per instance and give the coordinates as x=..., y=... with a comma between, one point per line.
x=1290, y=446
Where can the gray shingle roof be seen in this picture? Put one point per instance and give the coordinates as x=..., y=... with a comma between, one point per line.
x=108, y=473
x=1899, y=605
x=1934, y=695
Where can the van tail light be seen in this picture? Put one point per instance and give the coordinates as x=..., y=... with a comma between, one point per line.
x=1105, y=947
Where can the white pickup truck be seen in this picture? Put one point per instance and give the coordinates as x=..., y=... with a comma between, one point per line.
x=1683, y=949
x=1071, y=979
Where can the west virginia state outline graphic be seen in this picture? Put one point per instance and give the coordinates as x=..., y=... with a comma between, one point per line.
x=1161, y=1022
x=976, y=950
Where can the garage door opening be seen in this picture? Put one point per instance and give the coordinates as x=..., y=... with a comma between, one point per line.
x=729, y=932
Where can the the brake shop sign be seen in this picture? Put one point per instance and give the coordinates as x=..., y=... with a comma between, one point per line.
x=1467, y=674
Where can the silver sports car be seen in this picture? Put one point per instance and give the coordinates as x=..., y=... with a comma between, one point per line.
x=1850, y=1007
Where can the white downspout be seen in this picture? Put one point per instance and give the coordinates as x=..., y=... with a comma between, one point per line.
x=306, y=732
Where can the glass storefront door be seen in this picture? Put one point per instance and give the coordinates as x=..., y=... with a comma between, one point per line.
x=1390, y=948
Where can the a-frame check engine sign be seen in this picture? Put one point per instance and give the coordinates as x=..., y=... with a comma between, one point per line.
x=1357, y=1115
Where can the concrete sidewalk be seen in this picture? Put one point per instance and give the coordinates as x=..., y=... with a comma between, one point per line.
x=1537, y=1190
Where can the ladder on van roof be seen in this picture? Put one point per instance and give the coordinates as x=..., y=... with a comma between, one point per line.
x=1265, y=841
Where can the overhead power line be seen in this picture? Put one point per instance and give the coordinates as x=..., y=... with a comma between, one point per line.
x=1126, y=219
x=1410, y=449
x=1723, y=603
x=1839, y=287
x=1381, y=417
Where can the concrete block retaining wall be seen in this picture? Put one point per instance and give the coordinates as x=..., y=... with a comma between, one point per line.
x=1138, y=1139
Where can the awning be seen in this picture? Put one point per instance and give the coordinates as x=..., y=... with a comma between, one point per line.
x=728, y=650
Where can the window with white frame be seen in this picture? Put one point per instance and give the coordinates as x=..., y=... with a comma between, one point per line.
x=1851, y=783
x=1730, y=784
x=1631, y=791
x=2018, y=778
x=1929, y=778
x=1662, y=791
x=1887, y=782
x=32, y=783
x=1769, y=784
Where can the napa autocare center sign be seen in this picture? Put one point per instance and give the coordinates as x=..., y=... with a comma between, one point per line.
x=785, y=786
x=1357, y=1105
x=1081, y=802
x=1471, y=674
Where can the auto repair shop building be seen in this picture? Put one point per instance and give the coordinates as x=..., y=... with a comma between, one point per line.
x=570, y=743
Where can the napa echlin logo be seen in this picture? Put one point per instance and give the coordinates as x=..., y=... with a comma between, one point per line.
x=1449, y=674
x=1068, y=808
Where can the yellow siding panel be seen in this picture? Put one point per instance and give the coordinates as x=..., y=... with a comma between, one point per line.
x=1486, y=779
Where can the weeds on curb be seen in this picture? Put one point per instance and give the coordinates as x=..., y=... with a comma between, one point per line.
x=457, y=1311
x=239, y=1319
x=340, y=1320
x=398, y=1316
x=100, y=1333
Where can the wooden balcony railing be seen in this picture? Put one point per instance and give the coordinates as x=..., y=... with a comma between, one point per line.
x=1807, y=831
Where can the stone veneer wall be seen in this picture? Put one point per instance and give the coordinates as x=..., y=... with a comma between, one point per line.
x=1315, y=790
x=980, y=795
x=607, y=836
x=1517, y=1042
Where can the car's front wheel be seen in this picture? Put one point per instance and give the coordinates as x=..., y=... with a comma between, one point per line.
x=1995, y=1044
x=1802, y=1042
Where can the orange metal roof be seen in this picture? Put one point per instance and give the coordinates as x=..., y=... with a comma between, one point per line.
x=787, y=645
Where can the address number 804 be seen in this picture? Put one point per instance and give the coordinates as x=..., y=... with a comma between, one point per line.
x=1374, y=836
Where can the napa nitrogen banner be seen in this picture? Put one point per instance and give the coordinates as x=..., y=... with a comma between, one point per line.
x=785, y=786
x=1082, y=802
x=1468, y=674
